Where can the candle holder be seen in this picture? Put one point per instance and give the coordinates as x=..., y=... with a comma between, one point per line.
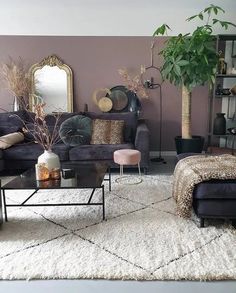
x=41, y=172
x=55, y=174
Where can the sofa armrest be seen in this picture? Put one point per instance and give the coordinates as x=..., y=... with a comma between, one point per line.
x=142, y=138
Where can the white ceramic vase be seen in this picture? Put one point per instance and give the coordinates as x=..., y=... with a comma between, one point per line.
x=50, y=159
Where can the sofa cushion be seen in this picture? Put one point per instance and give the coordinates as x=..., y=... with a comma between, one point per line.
x=98, y=152
x=129, y=118
x=62, y=151
x=76, y=130
x=9, y=128
x=215, y=208
x=31, y=151
x=13, y=118
x=11, y=122
x=25, y=151
x=50, y=118
x=215, y=189
x=29, y=132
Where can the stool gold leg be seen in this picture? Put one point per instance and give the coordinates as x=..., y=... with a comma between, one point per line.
x=121, y=179
x=121, y=170
x=139, y=171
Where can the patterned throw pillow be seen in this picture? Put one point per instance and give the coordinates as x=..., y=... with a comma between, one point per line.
x=116, y=131
x=107, y=131
x=10, y=139
x=100, y=131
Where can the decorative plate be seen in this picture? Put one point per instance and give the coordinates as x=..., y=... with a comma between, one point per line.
x=123, y=100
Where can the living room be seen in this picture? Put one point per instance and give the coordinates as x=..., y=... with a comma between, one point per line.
x=118, y=140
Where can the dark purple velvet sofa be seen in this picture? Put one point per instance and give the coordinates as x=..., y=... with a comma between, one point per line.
x=213, y=198
x=24, y=155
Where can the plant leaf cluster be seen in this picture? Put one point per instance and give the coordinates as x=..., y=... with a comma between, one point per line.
x=191, y=60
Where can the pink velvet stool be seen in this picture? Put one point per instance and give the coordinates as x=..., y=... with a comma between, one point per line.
x=127, y=157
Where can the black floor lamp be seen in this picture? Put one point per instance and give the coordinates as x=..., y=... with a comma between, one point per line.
x=152, y=85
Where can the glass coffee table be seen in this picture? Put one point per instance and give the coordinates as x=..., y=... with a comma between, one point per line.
x=86, y=176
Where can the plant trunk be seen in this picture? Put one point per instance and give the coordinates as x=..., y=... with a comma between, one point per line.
x=186, y=113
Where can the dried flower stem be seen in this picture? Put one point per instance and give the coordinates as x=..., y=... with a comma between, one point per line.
x=134, y=83
x=40, y=131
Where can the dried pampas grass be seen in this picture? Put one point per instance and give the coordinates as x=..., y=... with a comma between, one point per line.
x=15, y=73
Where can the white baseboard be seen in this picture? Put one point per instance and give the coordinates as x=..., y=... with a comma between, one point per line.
x=164, y=153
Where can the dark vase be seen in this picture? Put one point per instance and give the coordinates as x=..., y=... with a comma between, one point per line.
x=134, y=104
x=219, y=126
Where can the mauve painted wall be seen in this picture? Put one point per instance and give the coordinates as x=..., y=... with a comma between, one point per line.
x=95, y=61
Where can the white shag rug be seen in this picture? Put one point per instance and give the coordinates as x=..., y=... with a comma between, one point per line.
x=142, y=238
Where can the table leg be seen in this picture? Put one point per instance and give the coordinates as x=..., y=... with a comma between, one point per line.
x=109, y=178
x=103, y=203
x=201, y=222
x=4, y=204
x=1, y=219
x=91, y=195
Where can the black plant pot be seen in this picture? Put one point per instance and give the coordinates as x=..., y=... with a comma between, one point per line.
x=192, y=145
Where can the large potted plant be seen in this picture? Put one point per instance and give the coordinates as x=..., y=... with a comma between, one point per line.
x=190, y=61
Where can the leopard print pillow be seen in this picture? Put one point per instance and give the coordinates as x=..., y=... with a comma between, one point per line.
x=107, y=131
x=116, y=131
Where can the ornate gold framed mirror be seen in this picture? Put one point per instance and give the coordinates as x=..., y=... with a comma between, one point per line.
x=52, y=82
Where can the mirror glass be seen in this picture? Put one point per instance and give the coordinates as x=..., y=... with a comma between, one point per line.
x=51, y=85
x=51, y=82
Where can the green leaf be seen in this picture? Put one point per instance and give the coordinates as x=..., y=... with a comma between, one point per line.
x=200, y=15
x=213, y=8
x=207, y=9
x=192, y=17
x=205, y=58
x=178, y=58
x=230, y=23
x=161, y=30
x=212, y=78
x=168, y=69
x=218, y=8
x=183, y=62
x=177, y=70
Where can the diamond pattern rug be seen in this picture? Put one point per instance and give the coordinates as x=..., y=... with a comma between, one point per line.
x=142, y=238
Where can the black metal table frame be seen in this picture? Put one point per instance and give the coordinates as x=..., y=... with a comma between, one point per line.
x=23, y=204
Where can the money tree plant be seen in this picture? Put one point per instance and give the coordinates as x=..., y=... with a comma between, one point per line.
x=191, y=60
